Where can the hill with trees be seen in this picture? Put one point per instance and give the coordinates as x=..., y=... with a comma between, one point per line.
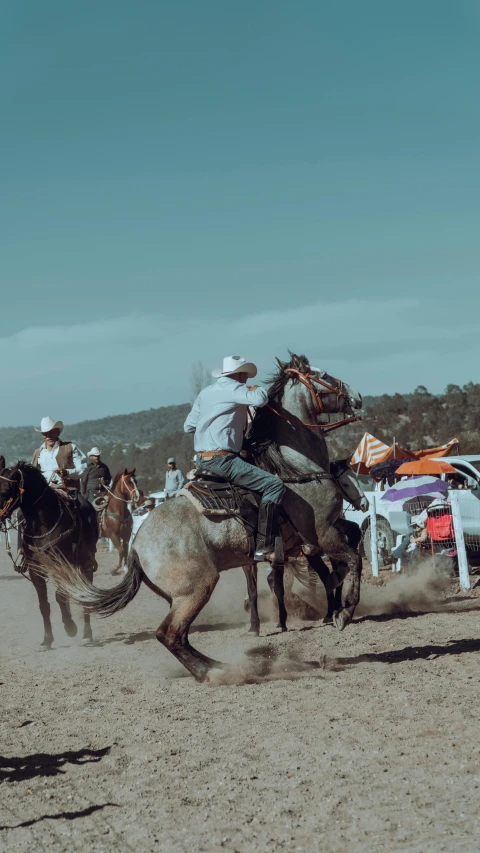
x=144, y=440
x=418, y=420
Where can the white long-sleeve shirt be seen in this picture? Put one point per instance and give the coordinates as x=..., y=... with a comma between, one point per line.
x=47, y=462
x=219, y=414
x=174, y=480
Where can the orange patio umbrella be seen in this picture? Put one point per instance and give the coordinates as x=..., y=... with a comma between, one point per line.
x=431, y=467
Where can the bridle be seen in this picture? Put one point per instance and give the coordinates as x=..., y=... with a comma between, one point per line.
x=11, y=504
x=133, y=491
x=310, y=380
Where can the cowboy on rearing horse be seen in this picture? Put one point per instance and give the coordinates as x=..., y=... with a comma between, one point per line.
x=218, y=419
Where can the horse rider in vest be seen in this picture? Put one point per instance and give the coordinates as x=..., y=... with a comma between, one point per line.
x=62, y=464
x=174, y=479
x=95, y=477
x=218, y=419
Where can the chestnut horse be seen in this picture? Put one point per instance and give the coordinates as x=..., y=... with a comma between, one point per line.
x=116, y=519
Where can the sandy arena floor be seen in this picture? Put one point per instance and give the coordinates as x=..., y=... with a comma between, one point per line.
x=373, y=745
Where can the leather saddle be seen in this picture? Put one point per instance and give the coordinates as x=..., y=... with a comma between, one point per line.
x=215, y=493
x=219, y=497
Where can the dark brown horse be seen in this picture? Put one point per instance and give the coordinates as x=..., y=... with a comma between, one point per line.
x=116, y=519
x=352, y=535
x=52, y=526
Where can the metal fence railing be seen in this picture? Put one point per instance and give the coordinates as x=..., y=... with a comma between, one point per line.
x=447, y=527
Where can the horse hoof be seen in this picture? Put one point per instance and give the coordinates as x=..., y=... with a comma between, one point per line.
x=115, y=572
x=327, y=620
x=254, y=630
x=86, y=641
x=47, y=644
x=339, y=620
x=284, y=628
x=70, y=628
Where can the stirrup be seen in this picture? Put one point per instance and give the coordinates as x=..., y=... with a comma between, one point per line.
x=265, y=555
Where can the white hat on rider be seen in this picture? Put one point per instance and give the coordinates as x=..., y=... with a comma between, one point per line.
x=235, y=364
x=94, y=452
x=47, y=424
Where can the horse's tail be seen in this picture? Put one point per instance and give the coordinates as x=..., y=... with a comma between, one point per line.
x=102, y=601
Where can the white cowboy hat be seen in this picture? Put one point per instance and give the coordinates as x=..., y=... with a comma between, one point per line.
x=94, y=452
x=47, y=424
x=235, y=364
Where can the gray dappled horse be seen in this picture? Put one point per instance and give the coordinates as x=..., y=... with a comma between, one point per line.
x=179, y=553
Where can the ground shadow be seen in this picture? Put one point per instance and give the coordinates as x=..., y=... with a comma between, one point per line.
x=61, y=816
x=410, y=653
x=413, y=614
x=15, y=577
x=216, y=626
x=126, y=639
x=265, y=658
x=44, y=764
x=388, y=617
x=142, y=636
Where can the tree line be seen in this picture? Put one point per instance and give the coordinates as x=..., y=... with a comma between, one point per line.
x=145, y=440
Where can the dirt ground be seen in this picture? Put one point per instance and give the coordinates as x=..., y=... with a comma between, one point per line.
x=366, y=740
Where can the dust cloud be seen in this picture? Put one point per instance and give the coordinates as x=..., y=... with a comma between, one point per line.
x=265, y=663
x=407, y=593
x=422, y=590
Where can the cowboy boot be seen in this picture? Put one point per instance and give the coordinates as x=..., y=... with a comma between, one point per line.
x=266, y=531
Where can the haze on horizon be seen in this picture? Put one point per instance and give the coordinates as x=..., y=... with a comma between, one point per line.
x=185, y=181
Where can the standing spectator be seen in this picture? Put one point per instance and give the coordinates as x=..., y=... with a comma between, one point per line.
x=174, y=479
x=96, y=476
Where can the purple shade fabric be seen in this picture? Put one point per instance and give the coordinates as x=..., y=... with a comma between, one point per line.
x=413, y=487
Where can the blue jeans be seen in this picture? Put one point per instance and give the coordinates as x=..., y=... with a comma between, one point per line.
x=234, y=469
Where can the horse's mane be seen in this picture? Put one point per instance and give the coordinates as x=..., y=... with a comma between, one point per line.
x=260, y=440
x=115, y=480
x=117, y=477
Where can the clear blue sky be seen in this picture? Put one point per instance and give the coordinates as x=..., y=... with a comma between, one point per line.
x=181, y=181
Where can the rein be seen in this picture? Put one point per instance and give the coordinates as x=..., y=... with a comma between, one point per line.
x=309, y=478
x=130, y=491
